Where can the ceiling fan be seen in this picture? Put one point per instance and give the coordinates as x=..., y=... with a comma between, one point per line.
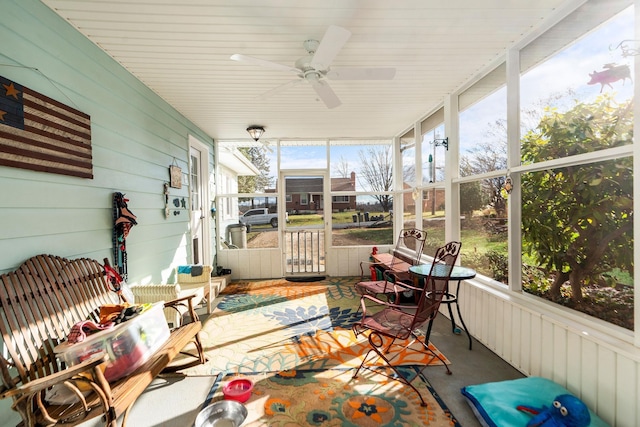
x=315, y=67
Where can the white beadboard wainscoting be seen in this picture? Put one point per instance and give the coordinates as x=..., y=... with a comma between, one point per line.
x=268, y=263
x=251, y=263
x=593, y=359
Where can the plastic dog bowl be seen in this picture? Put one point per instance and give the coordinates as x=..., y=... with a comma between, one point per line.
x=225, y=413
x=238, y=389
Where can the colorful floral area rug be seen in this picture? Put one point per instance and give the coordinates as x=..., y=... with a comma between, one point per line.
x=333, y=398
x=276, y=325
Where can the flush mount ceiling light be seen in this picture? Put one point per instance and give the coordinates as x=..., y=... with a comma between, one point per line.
x=255, y=132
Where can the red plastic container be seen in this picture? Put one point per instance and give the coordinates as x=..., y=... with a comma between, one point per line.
x=238, y=389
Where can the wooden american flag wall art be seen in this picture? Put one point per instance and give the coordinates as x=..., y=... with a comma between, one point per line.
x=42, y=134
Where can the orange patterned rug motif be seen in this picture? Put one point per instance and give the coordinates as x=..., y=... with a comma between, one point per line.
x=275, y=325
x=333, y=398
x=342, y=349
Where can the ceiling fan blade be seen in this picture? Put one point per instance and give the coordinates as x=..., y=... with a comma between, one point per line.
x=362, y=74
x=263, y=63
x=280, y=88
x=332, y=42
x=326, y=94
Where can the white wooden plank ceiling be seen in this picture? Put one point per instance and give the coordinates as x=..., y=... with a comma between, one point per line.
x=181, y=49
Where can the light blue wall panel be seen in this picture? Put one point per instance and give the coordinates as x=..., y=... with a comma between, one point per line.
x=135, y=137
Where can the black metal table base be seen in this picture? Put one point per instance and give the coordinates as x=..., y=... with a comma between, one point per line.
x=458, y=274
x=453, y=299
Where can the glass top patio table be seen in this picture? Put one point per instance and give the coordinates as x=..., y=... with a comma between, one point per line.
x=440, y=270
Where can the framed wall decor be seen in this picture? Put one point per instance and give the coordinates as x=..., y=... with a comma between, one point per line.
x=175, y=175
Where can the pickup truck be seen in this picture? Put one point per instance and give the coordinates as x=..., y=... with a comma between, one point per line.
x=260, y=216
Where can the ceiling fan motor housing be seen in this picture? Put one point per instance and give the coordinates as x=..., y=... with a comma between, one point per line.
x=311, y=46
x=305, y=64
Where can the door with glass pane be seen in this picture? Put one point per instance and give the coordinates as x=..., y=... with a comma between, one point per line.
x=198, y=202
x=304, y=234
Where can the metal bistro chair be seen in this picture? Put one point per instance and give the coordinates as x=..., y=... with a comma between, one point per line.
x=403, y=322
x=410, y=239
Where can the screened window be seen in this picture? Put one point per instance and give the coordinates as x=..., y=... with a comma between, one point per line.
x=577, y=216
x=483, y=125
x=364, y=170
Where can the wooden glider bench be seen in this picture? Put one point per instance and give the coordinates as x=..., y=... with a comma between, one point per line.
x=39, y=303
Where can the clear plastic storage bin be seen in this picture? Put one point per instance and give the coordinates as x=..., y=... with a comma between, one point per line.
x=128, y=344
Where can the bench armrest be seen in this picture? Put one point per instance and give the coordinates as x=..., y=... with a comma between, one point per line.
x=43, y=383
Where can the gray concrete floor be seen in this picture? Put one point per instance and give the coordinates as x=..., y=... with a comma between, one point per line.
x=468, y=367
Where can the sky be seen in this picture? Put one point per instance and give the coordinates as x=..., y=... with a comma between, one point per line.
x=568, y=69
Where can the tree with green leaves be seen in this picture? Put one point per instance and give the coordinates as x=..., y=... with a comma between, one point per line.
x=258, y=183
x=471, y=198
x=577, y=221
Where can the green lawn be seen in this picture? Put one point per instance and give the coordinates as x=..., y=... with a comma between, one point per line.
x=302, y=220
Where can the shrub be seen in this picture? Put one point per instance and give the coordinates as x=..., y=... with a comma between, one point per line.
x=499, y=265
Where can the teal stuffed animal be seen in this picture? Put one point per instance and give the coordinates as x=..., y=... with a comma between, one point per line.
x=566, y=411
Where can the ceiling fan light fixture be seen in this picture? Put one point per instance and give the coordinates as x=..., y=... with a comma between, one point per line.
x=255, y=132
